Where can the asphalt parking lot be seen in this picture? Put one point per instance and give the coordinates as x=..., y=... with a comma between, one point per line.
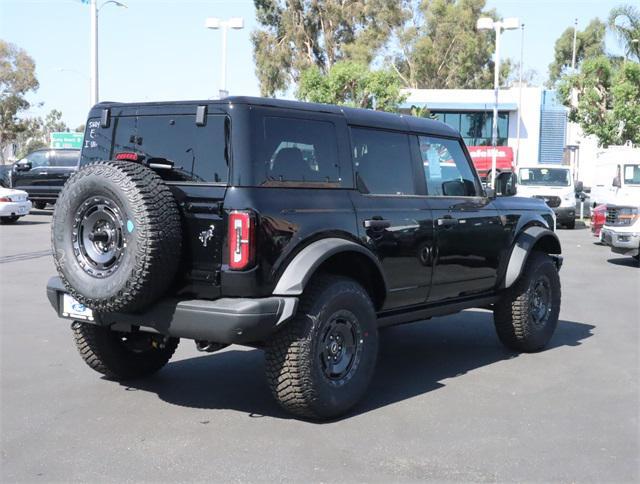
x=447, y=403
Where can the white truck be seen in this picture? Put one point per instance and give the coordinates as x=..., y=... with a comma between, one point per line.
x=554, y=184
x=621, y=229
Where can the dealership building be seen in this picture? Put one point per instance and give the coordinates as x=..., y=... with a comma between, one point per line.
x=542, y=118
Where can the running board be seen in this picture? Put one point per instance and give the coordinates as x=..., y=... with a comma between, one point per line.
x=418, y=313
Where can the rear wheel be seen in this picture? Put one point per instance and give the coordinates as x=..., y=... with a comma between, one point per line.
x=319, y=365
x=571, y=224
x=527, y=314
x=119, y=355
x=40, y=205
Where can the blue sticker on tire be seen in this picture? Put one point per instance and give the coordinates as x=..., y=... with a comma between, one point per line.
x=129, y=226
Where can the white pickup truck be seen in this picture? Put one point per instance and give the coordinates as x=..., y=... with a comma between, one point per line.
x=621, y=229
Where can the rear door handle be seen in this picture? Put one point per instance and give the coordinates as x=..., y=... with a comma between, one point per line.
x=376, y=223
x=43, y=173
x=447, y=221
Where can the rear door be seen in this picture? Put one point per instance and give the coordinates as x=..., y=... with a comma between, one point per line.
x=393, y=218
x=62, y=164
x=468, y=231
x=193, y=161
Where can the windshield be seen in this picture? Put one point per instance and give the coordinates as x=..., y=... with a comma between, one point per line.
x=632, y=174
x=550, y=177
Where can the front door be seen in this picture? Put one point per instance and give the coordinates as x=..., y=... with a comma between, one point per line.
x=468, y=229
x=393, y=218
x=33, y=179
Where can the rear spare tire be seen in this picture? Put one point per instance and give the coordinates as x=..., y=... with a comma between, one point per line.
x=116, y=236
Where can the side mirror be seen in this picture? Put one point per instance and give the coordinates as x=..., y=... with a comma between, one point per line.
x=616, y=182
x=26, y=166
x=579, y=187
x=506, y=184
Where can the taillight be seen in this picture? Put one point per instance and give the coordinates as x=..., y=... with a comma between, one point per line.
x=128, y=156
x=241, y=240
x=5, y=199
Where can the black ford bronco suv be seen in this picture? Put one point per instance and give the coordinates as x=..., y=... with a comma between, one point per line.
x=302, y=229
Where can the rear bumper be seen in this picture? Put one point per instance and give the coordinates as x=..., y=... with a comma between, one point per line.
x=11, y=209
x=226, y=320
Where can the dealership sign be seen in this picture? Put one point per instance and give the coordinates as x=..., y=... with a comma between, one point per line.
x=482, y=157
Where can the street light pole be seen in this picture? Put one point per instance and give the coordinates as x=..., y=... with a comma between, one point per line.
x=236, y=23
x=94, y=11
x=487, y=23
x=520, y=95
x=93, y=97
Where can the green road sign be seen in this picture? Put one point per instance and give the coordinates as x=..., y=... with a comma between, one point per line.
x=66, y=140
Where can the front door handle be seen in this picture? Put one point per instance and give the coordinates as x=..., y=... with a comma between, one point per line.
x=376, y=223
x=447, y=221
x=43, y=173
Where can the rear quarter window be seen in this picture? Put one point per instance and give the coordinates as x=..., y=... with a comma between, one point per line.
x=198, y=153
x=296, y=152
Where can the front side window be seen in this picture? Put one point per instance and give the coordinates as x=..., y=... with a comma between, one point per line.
x=195, y=153
x=382, y=161
x=296, y=152
x=632, y=174
x=38, y=159
x=446, y=168
x=550, y=177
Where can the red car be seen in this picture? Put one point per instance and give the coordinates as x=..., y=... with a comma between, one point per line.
x=598, y=216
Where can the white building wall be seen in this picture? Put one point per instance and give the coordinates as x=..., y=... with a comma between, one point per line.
x=483, y=99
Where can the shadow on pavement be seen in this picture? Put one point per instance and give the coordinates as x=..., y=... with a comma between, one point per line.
x=413, y=360
x=624, y=261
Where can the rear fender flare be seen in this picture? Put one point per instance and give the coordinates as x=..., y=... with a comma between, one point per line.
x=295, y=277
x=525, y=243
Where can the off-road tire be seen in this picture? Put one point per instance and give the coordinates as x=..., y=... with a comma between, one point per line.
x=148, y=230
x=9, y=220
x=105, y=352
x=514, y=312
x=295, y=370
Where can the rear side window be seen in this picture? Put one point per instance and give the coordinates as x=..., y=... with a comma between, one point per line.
x=197, y=153
x=65, y=158
x=382, y=162
x=297, y=152
x=446, y=168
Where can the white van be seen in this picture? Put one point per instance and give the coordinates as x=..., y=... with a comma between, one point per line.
x=553, y=184
x=616, y=176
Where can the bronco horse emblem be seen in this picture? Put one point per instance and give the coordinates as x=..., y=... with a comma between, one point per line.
x=206, y=235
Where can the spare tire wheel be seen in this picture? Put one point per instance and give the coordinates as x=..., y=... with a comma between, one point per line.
x=116, y=236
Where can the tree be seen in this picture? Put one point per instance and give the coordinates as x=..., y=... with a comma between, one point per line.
x=37, y=132
x=624, y=21
x=298, y=34
x=440, y=47
x=352, y=84
x=608, y=100
x=589, y=44
x=17, y=78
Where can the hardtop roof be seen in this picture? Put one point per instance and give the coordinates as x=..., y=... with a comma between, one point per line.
x=353, y=116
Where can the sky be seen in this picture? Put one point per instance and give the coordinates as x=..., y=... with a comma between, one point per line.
x=157, y=50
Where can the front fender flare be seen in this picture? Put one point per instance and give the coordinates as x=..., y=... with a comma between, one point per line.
x=295, y=277
x=523, y=246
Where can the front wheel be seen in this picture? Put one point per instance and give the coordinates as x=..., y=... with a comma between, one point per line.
x=527, y=314
x=119, y=355
x=319, y=364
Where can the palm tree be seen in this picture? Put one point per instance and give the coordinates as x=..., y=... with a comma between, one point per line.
x=624, y=21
